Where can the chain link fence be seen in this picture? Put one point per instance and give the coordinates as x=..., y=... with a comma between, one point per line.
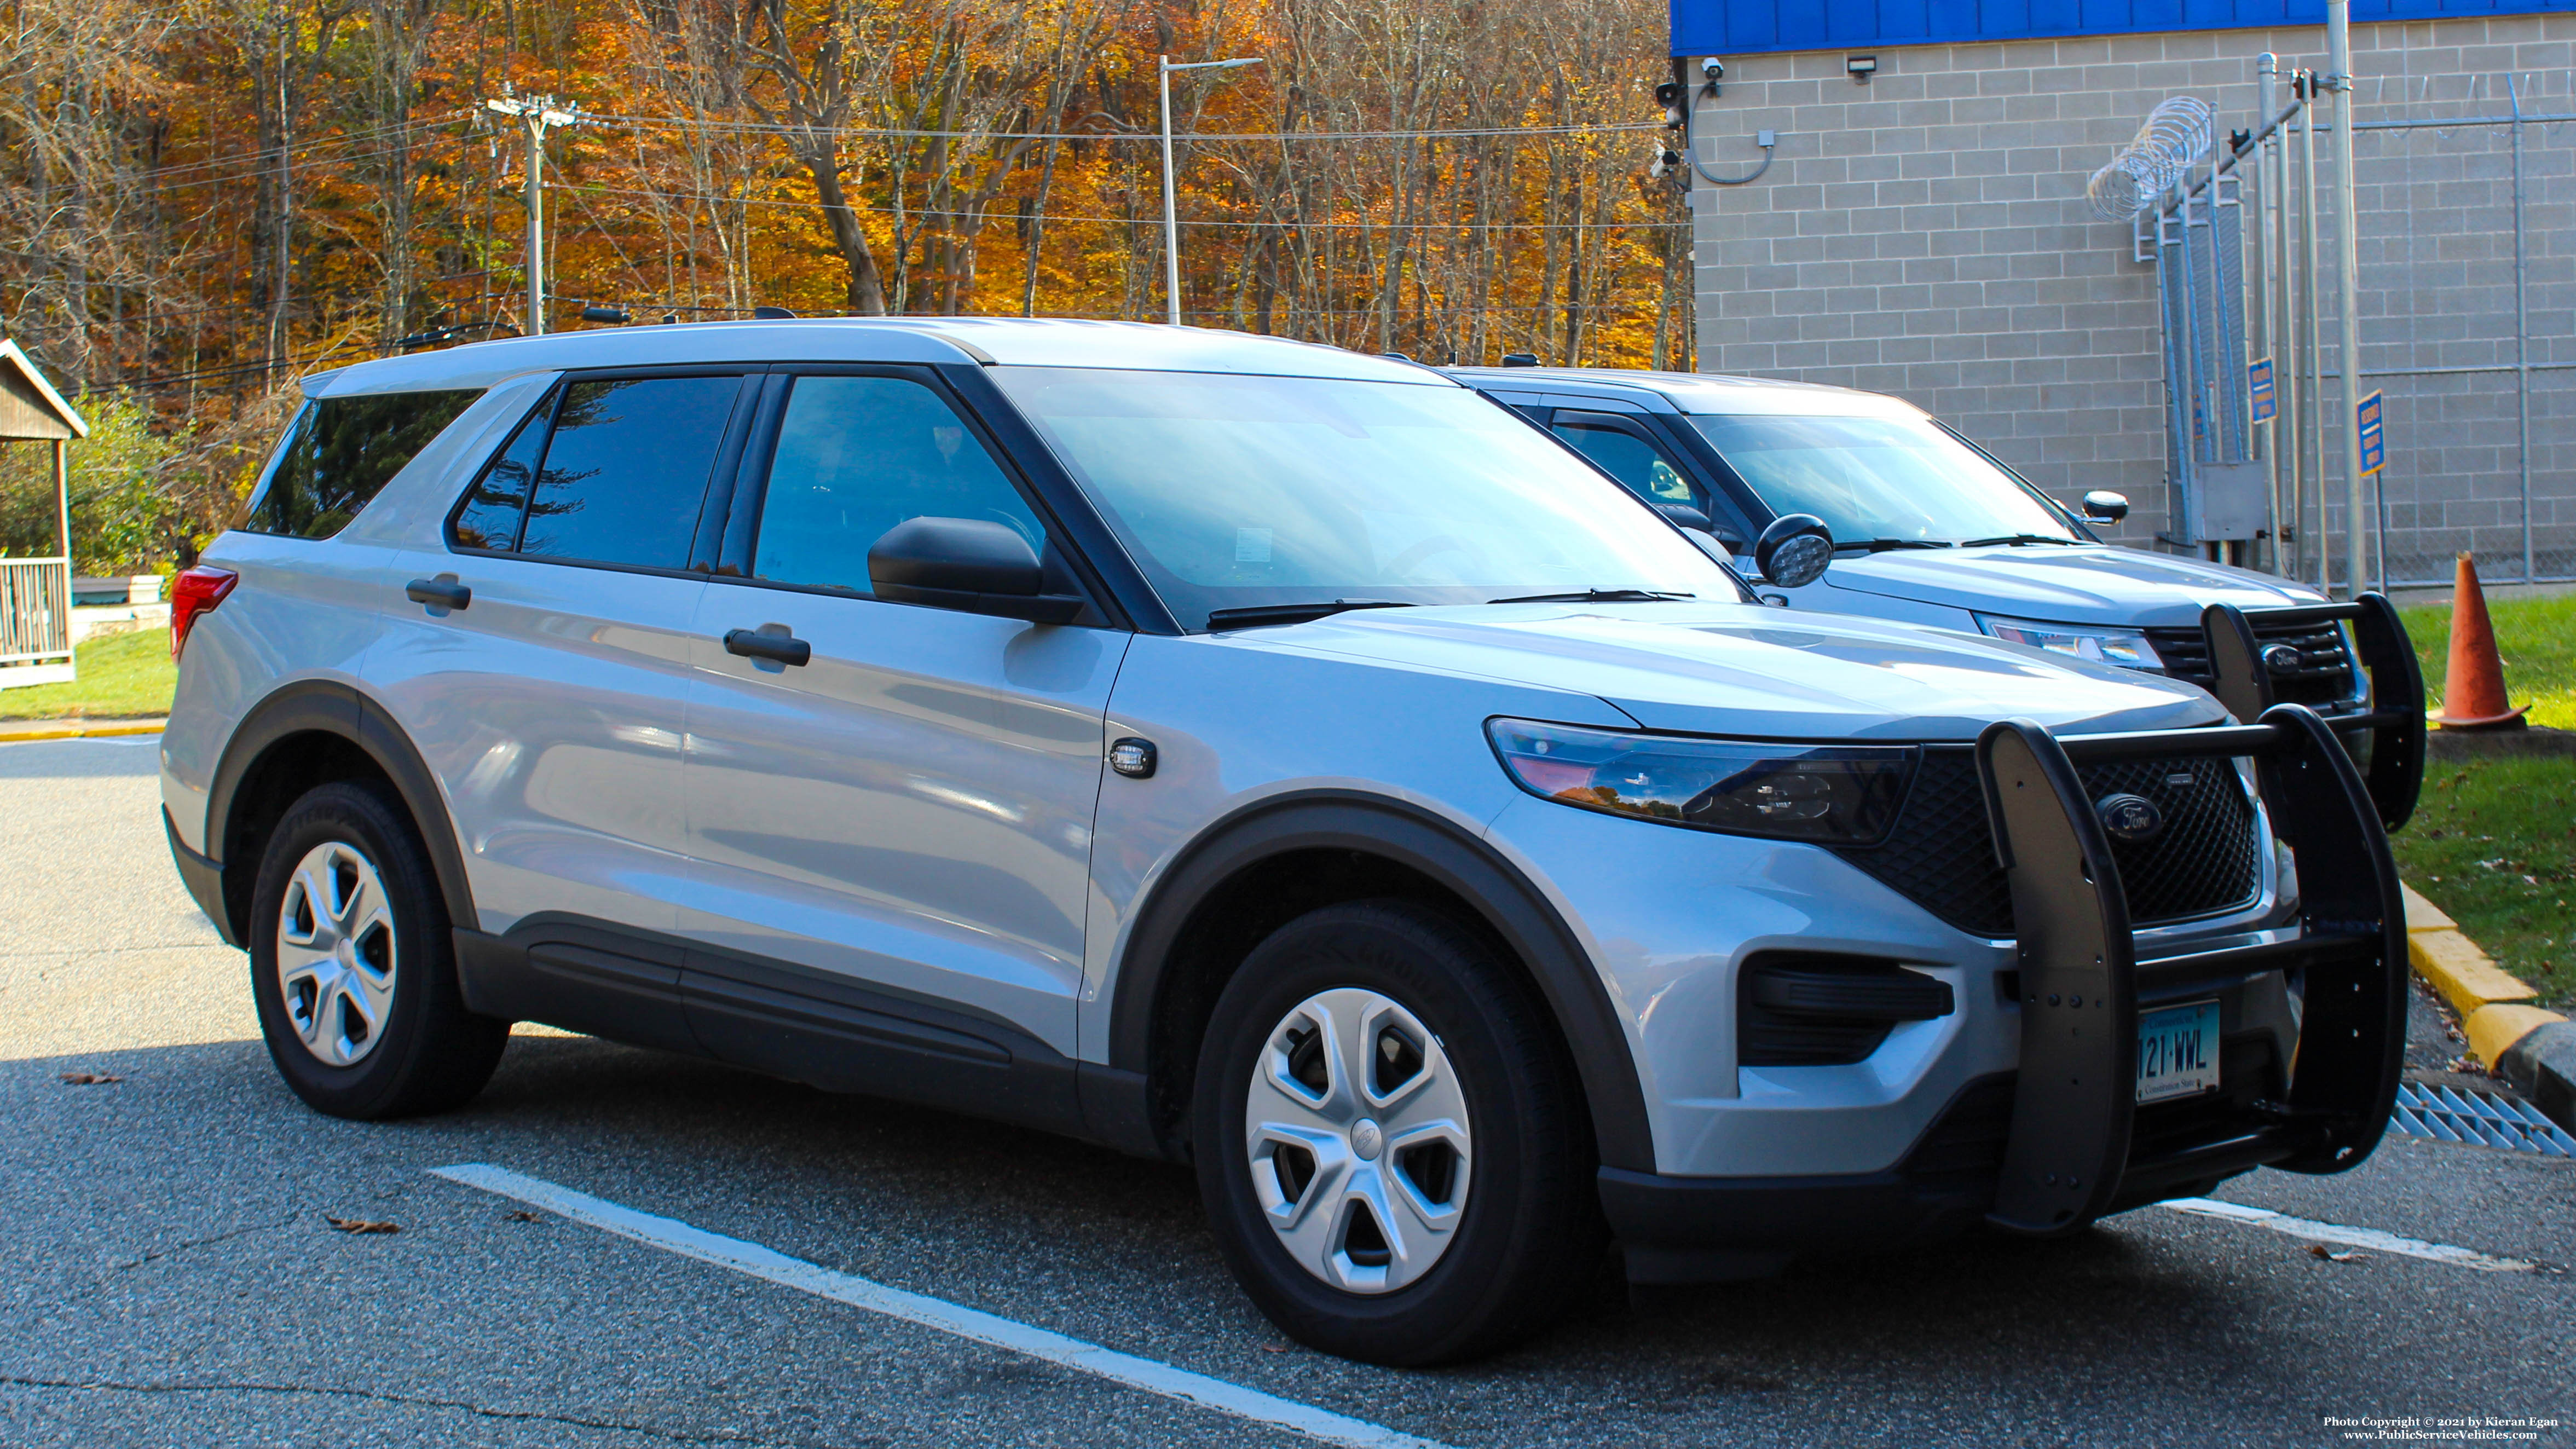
x=2468, y=326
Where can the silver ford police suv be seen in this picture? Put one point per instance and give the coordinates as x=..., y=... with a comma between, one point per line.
x=1247, y=753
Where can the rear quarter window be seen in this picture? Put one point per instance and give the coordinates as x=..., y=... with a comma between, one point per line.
x=341, y=451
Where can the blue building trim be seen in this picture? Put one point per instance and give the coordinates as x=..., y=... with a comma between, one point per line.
x=1756, y=27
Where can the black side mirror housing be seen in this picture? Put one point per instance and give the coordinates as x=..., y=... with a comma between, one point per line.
x=1793, y=551
x=2104, y=506
x=969, y=564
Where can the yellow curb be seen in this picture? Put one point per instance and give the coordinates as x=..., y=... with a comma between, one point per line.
x=74, y=730
x=2423, y=915
x=2461, y=972
x=2493, y=1030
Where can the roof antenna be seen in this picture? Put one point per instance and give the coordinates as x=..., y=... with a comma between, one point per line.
x=772, y=314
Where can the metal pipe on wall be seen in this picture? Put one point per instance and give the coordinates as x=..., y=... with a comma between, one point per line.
x=2348, y=288
x=2521, y=327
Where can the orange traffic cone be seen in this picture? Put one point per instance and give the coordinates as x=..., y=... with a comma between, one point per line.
x=2473, y=690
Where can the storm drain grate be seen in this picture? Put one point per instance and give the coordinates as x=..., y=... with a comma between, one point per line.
x=2447, y=1114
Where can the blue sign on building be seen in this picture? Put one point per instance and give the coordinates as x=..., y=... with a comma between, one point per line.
x=1754, y=27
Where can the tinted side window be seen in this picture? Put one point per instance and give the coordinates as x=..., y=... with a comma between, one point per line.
x=341, y=451
x=626, y=468
x=490, y=515
x=858, y=455
x=1630, y=459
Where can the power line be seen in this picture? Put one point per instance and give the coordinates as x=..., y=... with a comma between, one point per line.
x=1285, y=225
x=899, y=133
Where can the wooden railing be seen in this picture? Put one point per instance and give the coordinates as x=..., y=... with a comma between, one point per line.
x=35, y=609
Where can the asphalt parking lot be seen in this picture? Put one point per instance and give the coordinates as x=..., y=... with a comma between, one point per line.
x=171, y=1273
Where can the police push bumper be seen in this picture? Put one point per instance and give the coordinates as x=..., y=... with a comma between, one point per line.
x=2069, y=1156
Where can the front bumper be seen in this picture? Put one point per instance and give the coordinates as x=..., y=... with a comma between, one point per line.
x=2060, y=1141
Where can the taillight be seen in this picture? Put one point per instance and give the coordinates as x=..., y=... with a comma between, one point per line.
x=195, y=591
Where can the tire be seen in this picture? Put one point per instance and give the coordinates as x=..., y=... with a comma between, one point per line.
x=375, y=1027
x=1484, y=1130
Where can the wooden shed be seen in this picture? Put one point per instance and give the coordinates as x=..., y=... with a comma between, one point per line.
x=36, y=593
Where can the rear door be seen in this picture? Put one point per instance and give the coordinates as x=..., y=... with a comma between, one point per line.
x=904, y=821
x=550, y=704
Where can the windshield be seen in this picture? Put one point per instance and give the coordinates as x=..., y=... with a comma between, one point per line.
x=1878, y=479
x=1236, y=492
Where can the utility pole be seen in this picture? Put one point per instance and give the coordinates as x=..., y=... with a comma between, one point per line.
x=536, y=115
x=1171, y=220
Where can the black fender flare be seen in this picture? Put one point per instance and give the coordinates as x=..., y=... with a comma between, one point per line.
x=333, y=707
x=1508, y=904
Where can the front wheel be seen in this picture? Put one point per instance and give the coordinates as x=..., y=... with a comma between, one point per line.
x=352, y=966
x=1390, y=1142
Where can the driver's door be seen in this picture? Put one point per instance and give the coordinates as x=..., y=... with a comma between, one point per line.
x=905, y=817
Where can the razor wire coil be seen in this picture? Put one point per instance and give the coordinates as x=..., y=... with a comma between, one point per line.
x=2174, y=135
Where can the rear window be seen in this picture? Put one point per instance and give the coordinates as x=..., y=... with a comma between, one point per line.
x=341, y=451
x=606, y=470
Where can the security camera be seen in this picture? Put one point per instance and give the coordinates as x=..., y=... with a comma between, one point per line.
x=1714, y=69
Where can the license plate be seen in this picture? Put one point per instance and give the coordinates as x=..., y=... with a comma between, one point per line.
x=2178, y=1051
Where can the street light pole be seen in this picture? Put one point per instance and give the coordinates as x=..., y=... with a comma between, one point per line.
x=1171, y=218
x=535, y=114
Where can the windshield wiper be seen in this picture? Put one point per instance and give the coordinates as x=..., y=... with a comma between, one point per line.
x=1258, y=615
x=2016, y=538
x=1599, y=596
x=1881, y=545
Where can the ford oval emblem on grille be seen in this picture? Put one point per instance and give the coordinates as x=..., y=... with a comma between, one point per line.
x=2130, y=819
x=2281, y=658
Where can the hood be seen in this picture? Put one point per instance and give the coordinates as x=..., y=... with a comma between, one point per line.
x=2083, y=584
x=1749, y=669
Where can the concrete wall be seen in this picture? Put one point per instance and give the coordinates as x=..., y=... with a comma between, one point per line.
x=1927, y=235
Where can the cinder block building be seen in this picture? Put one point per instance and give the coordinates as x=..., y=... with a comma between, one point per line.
x=1922, y=229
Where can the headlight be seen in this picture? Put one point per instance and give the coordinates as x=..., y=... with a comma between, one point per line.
x=2125, y=647
x=1830, y=794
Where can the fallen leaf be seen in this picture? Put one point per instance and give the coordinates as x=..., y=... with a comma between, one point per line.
x=361, y=1225
x=2319, y=1250
x=521, y=1216
x=88, y=1079
x=1276, y=1348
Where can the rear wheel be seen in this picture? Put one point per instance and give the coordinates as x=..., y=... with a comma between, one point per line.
x=352, y=966
x=1389, y=1141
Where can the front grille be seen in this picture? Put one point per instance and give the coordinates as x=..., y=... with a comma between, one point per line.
x=2323, y=676
x=1941, y=855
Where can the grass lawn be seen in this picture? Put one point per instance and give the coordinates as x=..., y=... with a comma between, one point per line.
x=2494, y=844
x=121, y=674
x=2536, y=639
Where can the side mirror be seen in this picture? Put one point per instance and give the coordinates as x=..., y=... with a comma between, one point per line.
x=2105, y=506
x=967, y=564
x=1793, y=551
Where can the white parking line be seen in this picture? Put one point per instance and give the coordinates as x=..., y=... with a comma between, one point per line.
x=2368, y=1238
x=673, y=1236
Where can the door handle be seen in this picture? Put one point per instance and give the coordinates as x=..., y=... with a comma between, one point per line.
x=439, y=593
x=781, y=648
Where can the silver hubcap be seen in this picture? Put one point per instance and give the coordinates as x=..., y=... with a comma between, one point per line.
x=1359, y=1141
x=335, y=953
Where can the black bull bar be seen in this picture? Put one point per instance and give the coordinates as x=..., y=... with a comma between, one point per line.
x=2395, y=719
x=2068, y=1157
